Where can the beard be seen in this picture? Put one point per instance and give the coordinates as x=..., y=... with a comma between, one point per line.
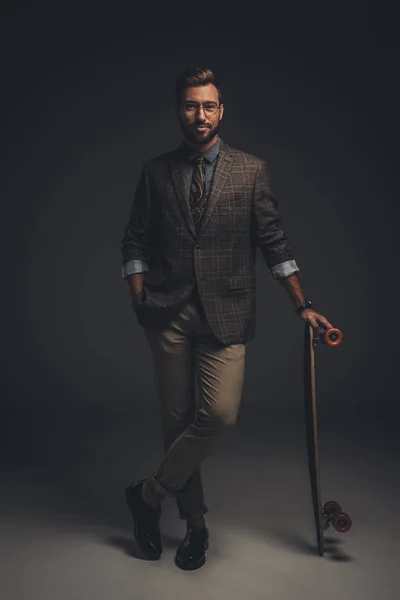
x=197, y=138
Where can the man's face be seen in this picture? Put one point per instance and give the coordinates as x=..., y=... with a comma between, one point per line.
x=198, y=118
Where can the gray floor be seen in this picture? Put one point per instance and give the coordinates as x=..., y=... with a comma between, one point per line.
x=66, y=532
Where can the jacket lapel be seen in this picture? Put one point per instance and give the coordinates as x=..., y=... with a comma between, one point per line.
x=181, y=188
x=222, y=170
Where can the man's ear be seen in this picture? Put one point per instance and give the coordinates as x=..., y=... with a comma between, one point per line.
x=221, y=111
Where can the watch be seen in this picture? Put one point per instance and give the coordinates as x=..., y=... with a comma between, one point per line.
x=300, y=309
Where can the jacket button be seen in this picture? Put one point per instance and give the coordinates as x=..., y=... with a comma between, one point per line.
x=197, y=247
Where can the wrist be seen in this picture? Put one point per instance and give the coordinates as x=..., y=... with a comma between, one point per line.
x=302, y=307
x=135, y=282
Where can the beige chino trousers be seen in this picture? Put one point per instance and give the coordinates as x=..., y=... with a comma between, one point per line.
x=186, y=354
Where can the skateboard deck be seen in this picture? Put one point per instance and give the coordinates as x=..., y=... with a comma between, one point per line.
x=331, y=512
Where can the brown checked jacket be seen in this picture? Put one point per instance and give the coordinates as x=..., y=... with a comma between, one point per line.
x=241, y=215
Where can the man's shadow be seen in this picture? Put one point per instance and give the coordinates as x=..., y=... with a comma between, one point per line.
x=129, y=546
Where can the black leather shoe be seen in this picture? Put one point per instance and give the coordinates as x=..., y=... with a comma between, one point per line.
x=191, y=553
x=145, y=521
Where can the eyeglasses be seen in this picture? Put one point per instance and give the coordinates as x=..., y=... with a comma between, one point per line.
x=190, y=108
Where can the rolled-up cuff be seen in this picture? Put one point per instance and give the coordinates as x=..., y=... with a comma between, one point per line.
x=193, y=515
x=160, y=488
x=284, y=269
x=134, y=266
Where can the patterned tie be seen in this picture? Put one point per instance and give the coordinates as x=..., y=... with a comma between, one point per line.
x=197, y=190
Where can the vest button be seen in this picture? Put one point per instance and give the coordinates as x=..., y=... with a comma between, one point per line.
x=197, y=247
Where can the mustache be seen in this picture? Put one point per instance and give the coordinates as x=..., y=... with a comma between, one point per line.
x=201, y=124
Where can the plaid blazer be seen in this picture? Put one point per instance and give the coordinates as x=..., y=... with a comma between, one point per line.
x=241, y=214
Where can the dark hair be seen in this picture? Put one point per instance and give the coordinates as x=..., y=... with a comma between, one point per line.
x=196, y=76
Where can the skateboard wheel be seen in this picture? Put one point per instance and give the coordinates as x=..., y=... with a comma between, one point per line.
x=333, y=337
x=342, y=522
x=332, y=509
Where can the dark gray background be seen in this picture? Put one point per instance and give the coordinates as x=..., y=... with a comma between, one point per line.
x=87, y=96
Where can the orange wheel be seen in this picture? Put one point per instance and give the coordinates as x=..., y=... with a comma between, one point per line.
x=332, y=509
x=333, y=337
x=342, y=522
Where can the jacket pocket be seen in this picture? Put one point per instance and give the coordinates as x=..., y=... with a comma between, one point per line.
x=242, y=282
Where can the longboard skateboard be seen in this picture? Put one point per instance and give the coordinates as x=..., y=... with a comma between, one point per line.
x=331, y=512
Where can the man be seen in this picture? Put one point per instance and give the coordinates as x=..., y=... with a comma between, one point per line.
x=188, y=254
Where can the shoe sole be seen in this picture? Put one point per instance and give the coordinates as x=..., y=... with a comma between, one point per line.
x=148, y=555
x=191, y=566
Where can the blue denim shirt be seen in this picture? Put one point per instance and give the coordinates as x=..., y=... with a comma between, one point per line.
x=138, y=266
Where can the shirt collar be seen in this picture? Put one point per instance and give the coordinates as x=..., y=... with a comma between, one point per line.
x=210, y=155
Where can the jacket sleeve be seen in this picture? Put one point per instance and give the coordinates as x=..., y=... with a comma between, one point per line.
x=135, y=241
x=132, y=267
x=267, y=228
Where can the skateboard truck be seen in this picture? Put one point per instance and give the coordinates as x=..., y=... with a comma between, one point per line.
x=332, y=515
x=330, y=337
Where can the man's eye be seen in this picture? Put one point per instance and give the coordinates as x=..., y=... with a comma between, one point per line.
x=210, y=106
x=190, y=106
